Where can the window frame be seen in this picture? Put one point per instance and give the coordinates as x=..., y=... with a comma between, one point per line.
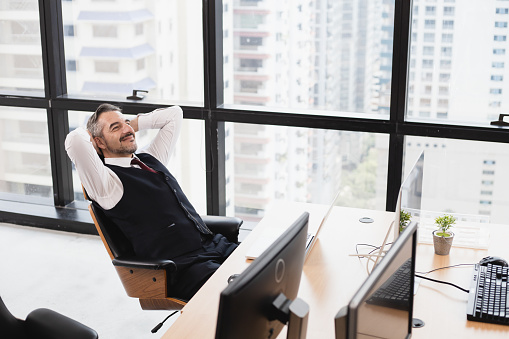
x=72, y=216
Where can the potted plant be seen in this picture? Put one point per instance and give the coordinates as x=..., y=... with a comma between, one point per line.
x=443, y=237
x=404, y=219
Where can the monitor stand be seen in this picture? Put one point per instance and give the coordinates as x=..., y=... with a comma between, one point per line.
x=293, y=313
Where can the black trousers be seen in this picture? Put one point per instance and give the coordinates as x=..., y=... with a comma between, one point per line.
x=195, y=268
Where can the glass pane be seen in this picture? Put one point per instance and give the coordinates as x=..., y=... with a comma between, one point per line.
x=268, y=163
x=25, y=173
x=187, y=164
x=320, y=56
x=114, y=47
x=458, y=71
x=467, y=179
x=20, y=42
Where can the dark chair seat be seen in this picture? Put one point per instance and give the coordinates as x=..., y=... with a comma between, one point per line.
x=42, y=323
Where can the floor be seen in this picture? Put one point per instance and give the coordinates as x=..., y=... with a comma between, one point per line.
x=71, y=273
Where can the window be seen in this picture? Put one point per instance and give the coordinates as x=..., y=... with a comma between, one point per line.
x=20, y=42
x=319, y=165
x=429, y=24
x=448, y=24
x=24, y=141
x=106, y=67
x=427, y=63
x=497, y=64
x=497, y=78
x=138, y=29
x=442, y=90
x=428, y=50
x=499, y=38
x=446, y=51
x=496, y=91
x=444, y=77
x=499, y=51
x=448, y=11
x=461, y=189
x=445, y=64
x=70, y=65
x=429, y=37
x=140, y=64
x=502, y=10
x=443, y=103
x=447, y=37
x=277, y=64
x=68, y=30
x=104, y=31
x=107, y=41
x=430, y=10
x=425, y=102
x=500, y=24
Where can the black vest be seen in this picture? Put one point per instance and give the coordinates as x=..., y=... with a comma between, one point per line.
x=154, y=213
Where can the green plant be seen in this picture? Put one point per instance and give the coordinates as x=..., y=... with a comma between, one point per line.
x=444, y=223
x=404, y=219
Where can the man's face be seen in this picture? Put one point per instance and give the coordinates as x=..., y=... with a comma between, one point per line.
x=118, y=138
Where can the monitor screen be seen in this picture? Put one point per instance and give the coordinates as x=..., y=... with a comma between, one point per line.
x=410, y=194
x=382, y=307
x=246, y=307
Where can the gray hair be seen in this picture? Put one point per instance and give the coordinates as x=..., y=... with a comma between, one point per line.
x=93, y=125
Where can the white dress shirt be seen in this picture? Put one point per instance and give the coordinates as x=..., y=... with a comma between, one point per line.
x=101, y=183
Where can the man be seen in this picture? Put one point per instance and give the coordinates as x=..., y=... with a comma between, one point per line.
x=146, y=203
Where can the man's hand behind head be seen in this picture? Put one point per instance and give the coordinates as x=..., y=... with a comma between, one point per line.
x=97, y=149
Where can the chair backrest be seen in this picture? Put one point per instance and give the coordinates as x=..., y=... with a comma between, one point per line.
x=114, y=239
x=10, y=326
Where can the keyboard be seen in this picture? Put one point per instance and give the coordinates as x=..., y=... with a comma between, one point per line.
x=487, y=298
x=395, y=291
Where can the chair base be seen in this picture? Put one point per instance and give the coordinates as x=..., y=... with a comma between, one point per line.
x=170, y=304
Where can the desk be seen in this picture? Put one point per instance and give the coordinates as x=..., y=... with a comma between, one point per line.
x=439, y=305
x=326, y=288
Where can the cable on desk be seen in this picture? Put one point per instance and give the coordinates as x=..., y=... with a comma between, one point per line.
x=442, y=282
x=441, y=268
x=369, y=245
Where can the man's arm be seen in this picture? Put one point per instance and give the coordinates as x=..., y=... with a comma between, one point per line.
x=102, y=184
x=169, y=122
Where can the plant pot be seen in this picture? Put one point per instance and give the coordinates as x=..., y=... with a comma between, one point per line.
x=442, y=244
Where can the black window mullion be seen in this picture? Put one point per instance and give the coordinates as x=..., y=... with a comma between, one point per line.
x=400, y=56
x=55, y=85
x=213, y=95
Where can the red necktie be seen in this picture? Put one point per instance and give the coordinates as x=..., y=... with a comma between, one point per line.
x=142, y=165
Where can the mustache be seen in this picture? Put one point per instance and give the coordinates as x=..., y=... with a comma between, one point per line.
x=126, y=136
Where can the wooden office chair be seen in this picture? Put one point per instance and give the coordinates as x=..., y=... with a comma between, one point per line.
x=147, y=279
x=42, y=324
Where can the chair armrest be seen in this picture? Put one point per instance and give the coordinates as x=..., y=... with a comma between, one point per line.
x=47, y=324
x=227, y=226
x=152, y=264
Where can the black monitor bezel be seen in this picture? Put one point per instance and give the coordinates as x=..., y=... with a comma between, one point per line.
x=408, y=234
x=296, y=232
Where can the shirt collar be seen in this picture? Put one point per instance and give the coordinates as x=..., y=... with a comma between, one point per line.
x=122, y=162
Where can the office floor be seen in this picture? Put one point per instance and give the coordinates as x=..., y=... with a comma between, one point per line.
x=71, y=273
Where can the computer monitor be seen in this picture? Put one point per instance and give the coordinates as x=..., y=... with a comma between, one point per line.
x=410, y=194
x=382, y=307
x=409, y=199
x=262, y=299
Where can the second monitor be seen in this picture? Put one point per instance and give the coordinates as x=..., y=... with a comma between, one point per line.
x=383, y=306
